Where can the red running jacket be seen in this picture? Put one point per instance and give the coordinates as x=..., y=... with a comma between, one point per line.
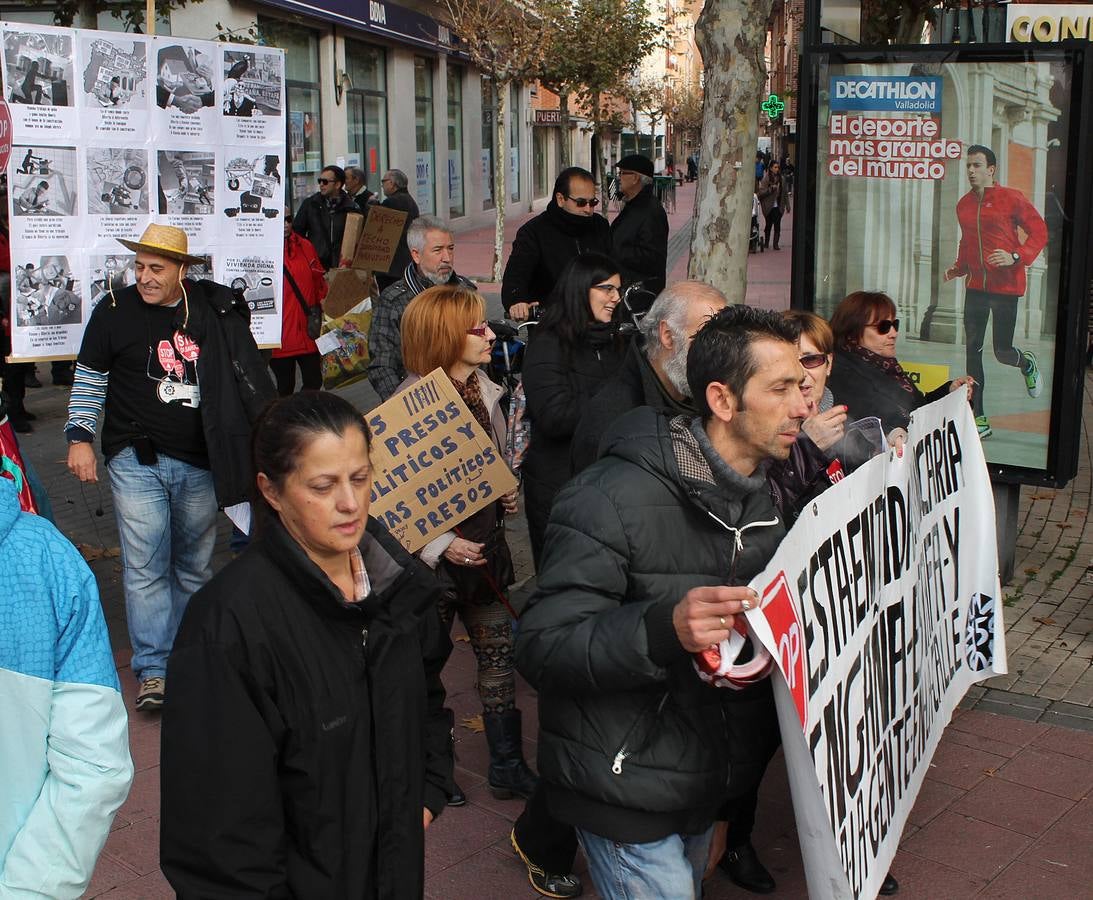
x=991, y=224
x=302, y=261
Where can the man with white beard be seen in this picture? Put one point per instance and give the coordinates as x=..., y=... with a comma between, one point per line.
x=655, y=371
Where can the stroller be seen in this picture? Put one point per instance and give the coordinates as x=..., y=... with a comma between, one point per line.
x=754, y=242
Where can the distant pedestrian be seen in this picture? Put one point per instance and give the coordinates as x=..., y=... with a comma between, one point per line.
x=356, y=186
x=174, y=365
x=639, y=234
x=432, y=251
x=64, y=742
x=692, y=167
x=396, y=195
x=302, y=290
x=321, y=217
x=545, y=245
x=305, y=747
x=774, y=199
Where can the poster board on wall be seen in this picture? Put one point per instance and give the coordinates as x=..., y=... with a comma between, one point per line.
x=112, y=132
x=888, y=186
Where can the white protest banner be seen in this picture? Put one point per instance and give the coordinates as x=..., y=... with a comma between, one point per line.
x=881, y=608
x=112, y=132
x=433, y=464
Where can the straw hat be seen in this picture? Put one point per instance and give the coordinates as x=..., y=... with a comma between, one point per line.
x=164, y=240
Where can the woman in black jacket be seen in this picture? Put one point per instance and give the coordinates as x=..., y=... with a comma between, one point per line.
x=866, y=376
x=573, y=350
x=305, y=747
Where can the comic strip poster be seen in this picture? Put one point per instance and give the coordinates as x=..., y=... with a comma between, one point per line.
x=113, y=132
x=186, y=91
x=114, y=87
x=38, y=79
x=118, y=189
x=252, y=96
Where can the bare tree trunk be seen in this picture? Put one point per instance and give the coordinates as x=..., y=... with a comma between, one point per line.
x=87, y=15
x=500, y=168
x=730, y=36
x=597, y=129
x=563, y=106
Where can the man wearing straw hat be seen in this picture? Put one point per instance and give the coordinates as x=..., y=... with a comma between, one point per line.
x=172, y=365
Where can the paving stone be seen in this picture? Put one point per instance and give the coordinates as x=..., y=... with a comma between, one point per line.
x=136, y=846
x=1012, y=806
x=968, y=845
x=1047, y=770
x=109, y=874
x=1020, y=881
x=960, y=766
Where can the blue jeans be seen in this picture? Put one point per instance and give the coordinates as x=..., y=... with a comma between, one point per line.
x=167, y=525
x=668, y=869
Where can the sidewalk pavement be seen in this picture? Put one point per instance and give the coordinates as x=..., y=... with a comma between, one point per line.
x=1005, y=811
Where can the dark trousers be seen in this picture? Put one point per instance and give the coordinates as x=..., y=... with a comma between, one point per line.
x=284, y=372
x=978, y=307
x=550, y=844
x=773, y=219
x=754, y=739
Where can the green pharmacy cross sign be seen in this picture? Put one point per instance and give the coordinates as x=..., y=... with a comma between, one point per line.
x=773, y=107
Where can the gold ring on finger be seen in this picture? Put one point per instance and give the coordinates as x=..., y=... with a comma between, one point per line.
x=724, y=624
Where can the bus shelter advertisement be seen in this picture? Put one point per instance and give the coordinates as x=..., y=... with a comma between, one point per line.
x=944, y=186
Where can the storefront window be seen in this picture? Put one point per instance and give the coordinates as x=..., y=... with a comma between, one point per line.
x=455, y=142
x=423, y=130
x=366, y=108
x=514, y=142
x=489, y=111
x=305, y=133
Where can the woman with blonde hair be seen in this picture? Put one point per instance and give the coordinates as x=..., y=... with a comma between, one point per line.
x=444, y=327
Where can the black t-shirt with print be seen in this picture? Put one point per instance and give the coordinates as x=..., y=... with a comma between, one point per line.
x=153, y=389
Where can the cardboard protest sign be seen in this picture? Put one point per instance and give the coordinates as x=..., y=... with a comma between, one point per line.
x=881, y=608
x=354, y=225
x=433, y=465
x=347, y=289
x=379, y=239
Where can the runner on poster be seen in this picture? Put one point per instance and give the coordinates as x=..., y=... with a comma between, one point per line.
x=252, y=97
x=47, y=304
x=118, y=193
x=114, y=96
x=44, y=192
x=38, y=68
x=186, y=92
x=187, y=192
x=253, y=194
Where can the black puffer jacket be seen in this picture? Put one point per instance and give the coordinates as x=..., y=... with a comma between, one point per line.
x=558, y=384
x=639, y=238
x=304, y=736
x=544, y=246
x=868, y=391
x=324, y=226
x=632, y=744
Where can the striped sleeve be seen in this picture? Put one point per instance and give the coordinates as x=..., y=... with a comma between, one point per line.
x=87, y=399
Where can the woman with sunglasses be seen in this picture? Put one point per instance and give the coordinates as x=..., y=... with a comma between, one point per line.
x=444, y=327
x=866, y=375
x=573, y=350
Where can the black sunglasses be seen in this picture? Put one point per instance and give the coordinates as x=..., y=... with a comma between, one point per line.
x=582, y=202
x=885, y=325
x=813, y=360
x=325, y=180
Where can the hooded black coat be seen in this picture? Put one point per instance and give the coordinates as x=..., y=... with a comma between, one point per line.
x=633, y=746
x=304, y=736
x=544, y=246
x=324, y=226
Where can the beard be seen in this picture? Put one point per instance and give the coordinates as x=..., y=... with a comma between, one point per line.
x=675, y=366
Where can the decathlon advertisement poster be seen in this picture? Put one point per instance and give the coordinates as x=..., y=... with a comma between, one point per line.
x=944, y=183
x=112, y=132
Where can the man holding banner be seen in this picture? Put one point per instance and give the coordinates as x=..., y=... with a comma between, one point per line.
x=646, y=560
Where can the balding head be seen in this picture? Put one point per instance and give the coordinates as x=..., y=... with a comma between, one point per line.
x=677, y=313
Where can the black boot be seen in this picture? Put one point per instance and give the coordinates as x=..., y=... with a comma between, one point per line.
x=456, y=797
x=889, y=886
x=509, y=776
x=742, y=865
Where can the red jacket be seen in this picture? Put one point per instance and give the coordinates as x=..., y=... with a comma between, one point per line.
x=302, y=261
x=991, y=224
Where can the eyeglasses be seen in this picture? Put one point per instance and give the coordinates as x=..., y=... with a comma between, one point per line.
x=606, y=288
x=813, y=360
x=582, y=202
x=884, y=325
x=480, y=331
x=325, y=180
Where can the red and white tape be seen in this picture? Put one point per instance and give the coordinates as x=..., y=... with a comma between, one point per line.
x=718, y=666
